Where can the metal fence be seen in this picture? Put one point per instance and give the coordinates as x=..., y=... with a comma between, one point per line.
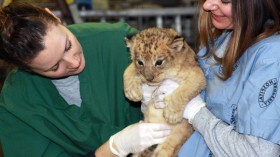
x=182, y=19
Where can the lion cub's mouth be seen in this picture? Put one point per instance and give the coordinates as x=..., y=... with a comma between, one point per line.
x=153, y=83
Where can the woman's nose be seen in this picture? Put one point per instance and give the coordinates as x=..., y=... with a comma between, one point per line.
x=73, y=61
x=210, y=5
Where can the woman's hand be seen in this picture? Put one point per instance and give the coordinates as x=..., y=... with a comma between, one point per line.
x=157, y=94
x=137, y=137
x=193, y=107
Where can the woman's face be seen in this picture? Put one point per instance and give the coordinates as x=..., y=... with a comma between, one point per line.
x=62, y=56
x=221, y=13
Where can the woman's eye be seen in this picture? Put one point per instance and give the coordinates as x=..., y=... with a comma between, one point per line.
x=159, y=62
x=69, y=46
x=55, y=68
x=226, y=1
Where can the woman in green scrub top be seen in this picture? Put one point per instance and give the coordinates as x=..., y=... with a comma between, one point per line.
x=65, y=98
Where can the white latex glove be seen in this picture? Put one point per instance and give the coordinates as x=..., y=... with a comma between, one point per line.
x=137, y=137
x=193, y=107
x=147, y=95
x=165, y=89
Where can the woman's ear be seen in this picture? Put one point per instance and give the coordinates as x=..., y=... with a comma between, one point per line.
x=50, y=12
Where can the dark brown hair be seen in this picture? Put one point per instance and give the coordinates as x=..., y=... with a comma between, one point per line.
x=23, y=27
x=253, y=20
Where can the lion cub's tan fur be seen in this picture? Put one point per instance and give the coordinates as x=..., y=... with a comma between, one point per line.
x=158, y=54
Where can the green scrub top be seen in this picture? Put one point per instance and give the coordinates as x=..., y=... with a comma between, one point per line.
x=36, y=121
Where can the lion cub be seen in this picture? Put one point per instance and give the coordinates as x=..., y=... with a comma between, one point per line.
x=159, y=54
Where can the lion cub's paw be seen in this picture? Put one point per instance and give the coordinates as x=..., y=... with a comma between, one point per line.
x=133, y=92
x=172, y=112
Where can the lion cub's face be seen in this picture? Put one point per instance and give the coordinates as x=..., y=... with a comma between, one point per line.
x=156, y=52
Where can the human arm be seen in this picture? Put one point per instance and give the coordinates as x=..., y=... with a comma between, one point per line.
x=37, y=145
x=221, y=138
x=104, y=151
x=18, y=139
x=133, y=139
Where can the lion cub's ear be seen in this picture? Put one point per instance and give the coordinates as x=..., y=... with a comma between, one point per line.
x=129, y=40
x=178, y=44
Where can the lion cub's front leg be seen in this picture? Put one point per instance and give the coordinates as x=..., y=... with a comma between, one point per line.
x=132, y=84
x=173, y=112
x=188, y=89
x=171, y=146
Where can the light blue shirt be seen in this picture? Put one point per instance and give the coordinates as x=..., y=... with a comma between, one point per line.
x=249, y=100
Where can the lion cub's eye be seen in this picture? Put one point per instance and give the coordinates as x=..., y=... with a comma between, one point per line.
x=159, y=62
x=140, y=63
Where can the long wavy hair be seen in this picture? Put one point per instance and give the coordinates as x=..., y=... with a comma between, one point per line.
x=253, y=20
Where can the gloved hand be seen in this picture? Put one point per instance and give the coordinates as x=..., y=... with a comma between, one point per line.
x=147, y=95
x=137, y=137
x=193, y=107
x=165, y=89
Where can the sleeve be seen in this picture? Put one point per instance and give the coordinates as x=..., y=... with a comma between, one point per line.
x=16, y=140
x=223, y=140
x=257, y=128
x=258, y=109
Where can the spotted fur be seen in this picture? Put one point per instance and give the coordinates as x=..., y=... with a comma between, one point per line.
x=158, y=54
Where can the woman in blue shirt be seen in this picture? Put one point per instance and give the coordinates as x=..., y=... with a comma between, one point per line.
x=238, y=114
x=240, y=54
